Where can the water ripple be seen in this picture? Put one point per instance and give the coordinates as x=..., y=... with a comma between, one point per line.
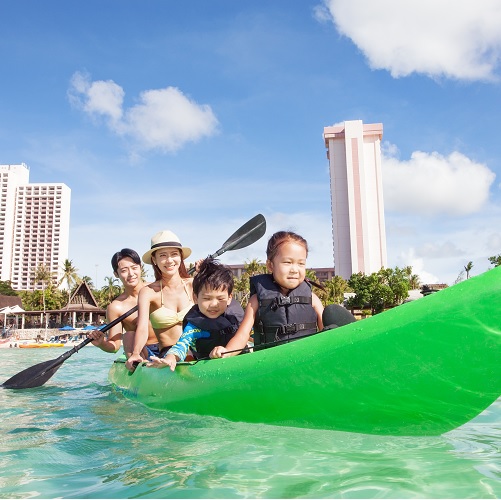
x=76, y=438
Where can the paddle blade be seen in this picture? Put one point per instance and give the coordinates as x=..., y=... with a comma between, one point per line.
x=248, y=234
x=37, y=375
x=34, y=376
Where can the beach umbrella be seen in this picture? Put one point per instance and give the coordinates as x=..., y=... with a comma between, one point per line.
x=67, y=328
x=89, y=327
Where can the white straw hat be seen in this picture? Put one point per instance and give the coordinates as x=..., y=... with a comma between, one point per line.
x=165, y=239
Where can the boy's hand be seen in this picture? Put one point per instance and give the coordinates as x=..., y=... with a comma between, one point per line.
x=169, y=360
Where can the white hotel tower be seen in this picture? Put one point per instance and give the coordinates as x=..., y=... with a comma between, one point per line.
x=358, y=228
x=34, y=227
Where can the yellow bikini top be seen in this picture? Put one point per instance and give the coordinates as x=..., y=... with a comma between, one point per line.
x=166, y=318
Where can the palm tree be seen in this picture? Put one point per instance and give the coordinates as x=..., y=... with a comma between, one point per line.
x=43, y=275
x=69, y=274
x=110, y=289
x=253, y=267
x=468, y=268
x=335, y=288
x=242, y=285
x=144, y=273
x=495, y=260
x=87, y=280
x=413, y=279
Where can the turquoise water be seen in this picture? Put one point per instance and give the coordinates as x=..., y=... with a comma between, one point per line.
x=77, y=438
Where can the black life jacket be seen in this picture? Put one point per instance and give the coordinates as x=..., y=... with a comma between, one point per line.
x=281, y=317
x=221, y=329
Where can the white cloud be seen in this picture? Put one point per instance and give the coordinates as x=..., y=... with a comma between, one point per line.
x=432, y=184
x=97, y=98
x=409, y=258
x=164, y=119
x=321, y=13
x=437, y=38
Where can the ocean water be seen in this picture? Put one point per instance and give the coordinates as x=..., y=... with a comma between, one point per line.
x=76, y=437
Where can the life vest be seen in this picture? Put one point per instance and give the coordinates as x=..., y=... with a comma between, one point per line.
x=281, y=317
x=221, y=329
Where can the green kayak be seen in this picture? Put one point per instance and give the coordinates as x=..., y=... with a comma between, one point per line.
x=422, y=368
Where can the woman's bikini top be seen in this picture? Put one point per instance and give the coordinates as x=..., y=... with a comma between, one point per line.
x=166, y=318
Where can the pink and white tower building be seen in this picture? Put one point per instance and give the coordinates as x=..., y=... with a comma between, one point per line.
x=358, y=228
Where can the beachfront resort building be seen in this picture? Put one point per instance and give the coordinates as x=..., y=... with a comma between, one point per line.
x=34, y=227
x=358, y=227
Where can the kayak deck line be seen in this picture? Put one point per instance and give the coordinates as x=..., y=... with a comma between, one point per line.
x=422, y=368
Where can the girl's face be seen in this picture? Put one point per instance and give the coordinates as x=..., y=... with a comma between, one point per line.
x=288, y=266
x=167, y=260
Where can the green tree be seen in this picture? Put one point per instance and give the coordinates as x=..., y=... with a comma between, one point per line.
x=378, y=291
x=88, y=280
x=335, y=288
x=6, y=288
x=413, y=279
x=495, y=260
x=242, y=285
x=468, y=268
x=144, y=273
x=459, y=277
x=44, y=276
x=311, y=275
x=69, y=274
x=101, y=297
x=54, y=298
x=110, y=290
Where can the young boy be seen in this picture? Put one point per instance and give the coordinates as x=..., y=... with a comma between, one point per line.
x=212, y=321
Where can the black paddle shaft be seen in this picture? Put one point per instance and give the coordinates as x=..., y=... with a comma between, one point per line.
x=37, y=375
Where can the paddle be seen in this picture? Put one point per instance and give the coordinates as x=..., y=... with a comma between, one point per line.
x=37, y=375
x=246, y=235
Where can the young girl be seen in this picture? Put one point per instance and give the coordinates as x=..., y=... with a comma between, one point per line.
x=282, y=305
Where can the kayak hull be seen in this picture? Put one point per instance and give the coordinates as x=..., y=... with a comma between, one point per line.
x=422, y=368
x=42, y=345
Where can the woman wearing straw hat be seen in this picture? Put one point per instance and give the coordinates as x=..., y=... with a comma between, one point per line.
x=164, y=302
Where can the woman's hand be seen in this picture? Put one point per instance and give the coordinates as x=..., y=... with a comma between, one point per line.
x=133, y=361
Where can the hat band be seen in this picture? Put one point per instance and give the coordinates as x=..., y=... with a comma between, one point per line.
x=167, y=244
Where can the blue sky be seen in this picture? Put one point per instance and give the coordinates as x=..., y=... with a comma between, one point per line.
x=195, y=116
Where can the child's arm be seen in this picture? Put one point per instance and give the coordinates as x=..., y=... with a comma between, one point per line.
x=178, y=351
x=319, y=309
x=239, y=341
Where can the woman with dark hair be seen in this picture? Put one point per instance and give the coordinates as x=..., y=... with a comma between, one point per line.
x=166, y=301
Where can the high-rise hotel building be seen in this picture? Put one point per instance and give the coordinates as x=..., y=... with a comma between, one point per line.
x=34, y=227
x=358, y=227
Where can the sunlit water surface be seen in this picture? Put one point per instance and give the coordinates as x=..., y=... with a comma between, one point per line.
x=77, y=438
